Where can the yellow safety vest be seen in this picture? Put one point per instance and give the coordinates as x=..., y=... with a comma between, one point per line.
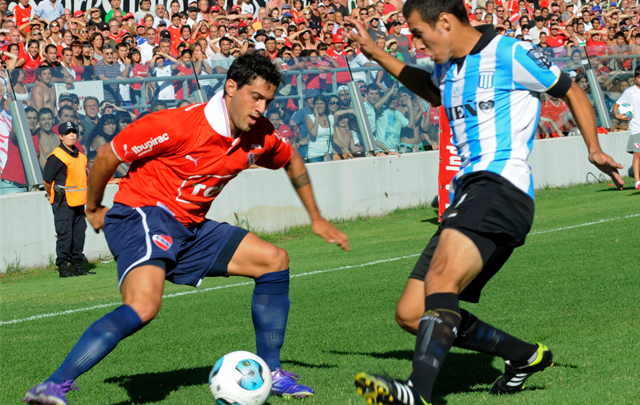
x=76, y=184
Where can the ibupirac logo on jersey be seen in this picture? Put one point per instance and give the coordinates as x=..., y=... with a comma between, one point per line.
x=148, y=146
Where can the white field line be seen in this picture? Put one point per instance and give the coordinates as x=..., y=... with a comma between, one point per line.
x=564, y=228
x=311, y=273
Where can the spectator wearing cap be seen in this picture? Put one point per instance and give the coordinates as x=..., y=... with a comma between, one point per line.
x=260, y=36
x=115, y=5
x=539, y=28
x=65, y=182
x=404, y=44
x=192, y=12
x=49, y=10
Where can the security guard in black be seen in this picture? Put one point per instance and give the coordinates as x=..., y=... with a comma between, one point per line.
x=65, y=180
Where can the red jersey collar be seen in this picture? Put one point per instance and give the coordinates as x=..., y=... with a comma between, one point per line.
x=216, y=113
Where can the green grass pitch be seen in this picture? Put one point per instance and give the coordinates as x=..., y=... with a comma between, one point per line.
x=573, y=288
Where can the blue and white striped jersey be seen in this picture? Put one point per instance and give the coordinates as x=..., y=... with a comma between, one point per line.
x=492, y=101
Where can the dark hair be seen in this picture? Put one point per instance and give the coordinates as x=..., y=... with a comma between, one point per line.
x=372, y=86
x=430, y=10
x=28, y=109
x=186, y=51
x=636, y=71
x=84, y=103
x=225, y=39
x=45, y=110
x=46, y=48
x=250, y=66
x=63, y=108
x=33, y=42
x=98, y=131
x=67, y=50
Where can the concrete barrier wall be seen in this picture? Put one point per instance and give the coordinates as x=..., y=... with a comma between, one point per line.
x=265, y=201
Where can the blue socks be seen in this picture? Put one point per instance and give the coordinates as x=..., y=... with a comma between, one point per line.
x=269, y=311
x=96, y=342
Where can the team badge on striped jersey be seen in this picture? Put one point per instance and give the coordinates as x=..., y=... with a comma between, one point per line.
x=162, y=241
x=485, y=80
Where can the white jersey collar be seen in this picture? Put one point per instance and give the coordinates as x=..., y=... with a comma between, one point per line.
x=217, y=116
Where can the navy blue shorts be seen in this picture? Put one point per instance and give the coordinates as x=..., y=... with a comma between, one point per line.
x=137, y=236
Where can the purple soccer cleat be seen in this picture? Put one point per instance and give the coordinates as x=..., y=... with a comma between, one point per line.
x=285, y=384
x=50, y=393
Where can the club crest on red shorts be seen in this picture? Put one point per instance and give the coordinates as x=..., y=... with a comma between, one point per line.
x=162, y=241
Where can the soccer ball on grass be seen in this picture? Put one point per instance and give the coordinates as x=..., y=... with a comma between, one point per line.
x=240, y=378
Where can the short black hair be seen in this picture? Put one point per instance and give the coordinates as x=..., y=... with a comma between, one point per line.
x=250, y=66
x=225, y=39
x=430, y=10
x=44, y=111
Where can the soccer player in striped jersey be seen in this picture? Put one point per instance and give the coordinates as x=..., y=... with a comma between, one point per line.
x=489, y=86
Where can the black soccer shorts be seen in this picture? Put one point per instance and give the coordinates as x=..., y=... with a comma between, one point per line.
x=494, y=214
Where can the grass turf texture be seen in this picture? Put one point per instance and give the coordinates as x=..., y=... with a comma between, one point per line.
x=575, y=290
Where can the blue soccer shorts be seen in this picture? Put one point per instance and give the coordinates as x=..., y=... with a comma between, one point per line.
x=137, y=236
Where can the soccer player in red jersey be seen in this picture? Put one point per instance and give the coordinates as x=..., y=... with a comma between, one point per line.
x=181, y=159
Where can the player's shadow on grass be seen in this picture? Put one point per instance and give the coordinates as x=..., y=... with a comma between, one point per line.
x=461, y=372
x=307, y=365
x=149, y=388
x=433, y=221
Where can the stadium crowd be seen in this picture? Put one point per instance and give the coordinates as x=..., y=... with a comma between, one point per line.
x=44, y=45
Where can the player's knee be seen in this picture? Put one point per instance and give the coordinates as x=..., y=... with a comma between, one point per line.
x=407, y=319
x=147, y=309
x=278, y=259
x=438, y=279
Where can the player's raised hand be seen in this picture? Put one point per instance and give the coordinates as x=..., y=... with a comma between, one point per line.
x=96, y=217
x=608, y=166
x=367, y=46
x=327, y=231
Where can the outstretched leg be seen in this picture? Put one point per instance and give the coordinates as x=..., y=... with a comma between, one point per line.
x=142, y=295
x=268, y=265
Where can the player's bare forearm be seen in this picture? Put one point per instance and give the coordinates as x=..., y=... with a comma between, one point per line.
x=321, y=227
x=582, y=111
x=300, y=180
x=104, y=165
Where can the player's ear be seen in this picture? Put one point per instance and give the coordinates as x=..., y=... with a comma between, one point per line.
x=230, y=87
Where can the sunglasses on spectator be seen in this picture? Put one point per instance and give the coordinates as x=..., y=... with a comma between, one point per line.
x=307, y=13
x=125, y=121
x=478, y=12
x=84, y=32
x=55, y=25
x=333, y=102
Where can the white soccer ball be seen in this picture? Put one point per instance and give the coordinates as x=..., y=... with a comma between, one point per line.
x=626, y=109
x=240, y=378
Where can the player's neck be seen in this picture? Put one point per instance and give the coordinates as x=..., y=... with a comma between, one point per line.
x=467, y=38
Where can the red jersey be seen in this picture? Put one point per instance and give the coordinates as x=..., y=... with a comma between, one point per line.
x=23, y=16
x=184, y=168
x=30, y=66
x=175, y=35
